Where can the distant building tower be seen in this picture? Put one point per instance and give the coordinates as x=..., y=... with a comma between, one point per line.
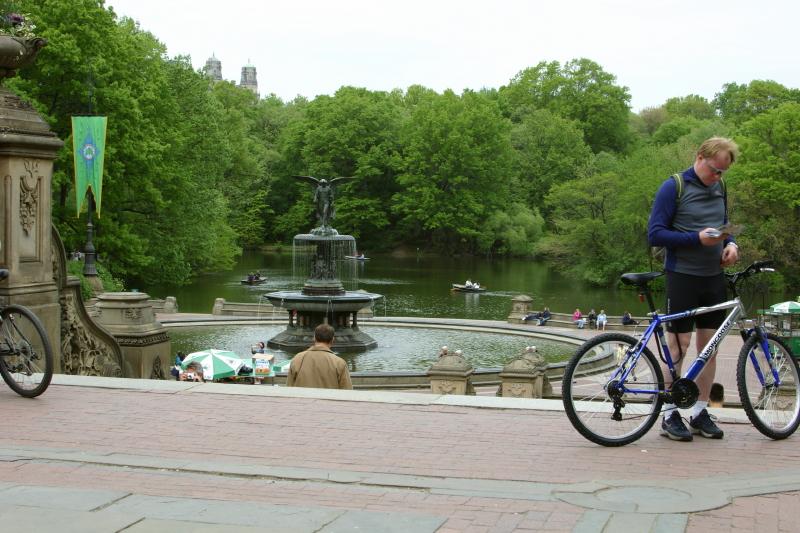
x=213, y=68
x=249, y=78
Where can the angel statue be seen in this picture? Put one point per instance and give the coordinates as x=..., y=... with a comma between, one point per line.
x=323, y=197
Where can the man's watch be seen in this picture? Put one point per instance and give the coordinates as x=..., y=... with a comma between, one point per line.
x=732, y=243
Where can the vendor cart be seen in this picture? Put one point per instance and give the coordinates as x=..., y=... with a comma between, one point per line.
x=783, y=320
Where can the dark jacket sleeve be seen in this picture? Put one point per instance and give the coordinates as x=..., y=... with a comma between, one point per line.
x=659, y=228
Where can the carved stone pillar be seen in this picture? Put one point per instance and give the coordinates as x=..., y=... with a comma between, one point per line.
x=525, y=376
x=520, y=306
x=451, y=374
x=146, y=349
x=27, y=151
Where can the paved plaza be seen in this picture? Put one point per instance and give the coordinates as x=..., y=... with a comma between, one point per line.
x=106, y=455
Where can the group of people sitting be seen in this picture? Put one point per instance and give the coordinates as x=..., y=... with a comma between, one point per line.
x=599, y=320
x=254, y=276
x=472, y=284
x=593, y=320
x=541, y=317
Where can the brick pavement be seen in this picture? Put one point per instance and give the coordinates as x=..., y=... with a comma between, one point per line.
x=444, y=466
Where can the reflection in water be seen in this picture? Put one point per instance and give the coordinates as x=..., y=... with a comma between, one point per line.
x=421, y=287
x=399, y=348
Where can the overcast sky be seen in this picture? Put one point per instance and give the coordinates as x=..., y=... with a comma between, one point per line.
x=657, y=48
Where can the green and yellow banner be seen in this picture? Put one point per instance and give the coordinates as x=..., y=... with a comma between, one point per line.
x=89, y=145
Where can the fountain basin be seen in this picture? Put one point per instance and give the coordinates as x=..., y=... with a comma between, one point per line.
x=407, y=347
x=348, y=302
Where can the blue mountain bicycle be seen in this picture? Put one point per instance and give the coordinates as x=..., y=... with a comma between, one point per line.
x=613, y=387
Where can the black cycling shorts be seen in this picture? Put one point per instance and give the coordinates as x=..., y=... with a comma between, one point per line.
x=685, y=291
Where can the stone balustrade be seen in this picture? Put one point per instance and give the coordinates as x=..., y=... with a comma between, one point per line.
x=526, y=376
x=451, y=374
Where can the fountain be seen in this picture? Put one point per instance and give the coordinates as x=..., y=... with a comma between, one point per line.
x=321, y=258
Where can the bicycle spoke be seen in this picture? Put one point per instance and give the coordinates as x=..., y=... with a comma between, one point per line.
x=774, y=409
x=26, y=360
x=597, y=404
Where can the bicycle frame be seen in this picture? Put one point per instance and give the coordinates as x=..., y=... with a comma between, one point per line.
x=697, y=366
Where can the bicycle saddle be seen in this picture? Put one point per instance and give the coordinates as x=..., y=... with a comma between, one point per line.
x=639, y=279
x=3, y=273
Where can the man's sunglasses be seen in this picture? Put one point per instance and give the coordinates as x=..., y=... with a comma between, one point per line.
x=715, y=170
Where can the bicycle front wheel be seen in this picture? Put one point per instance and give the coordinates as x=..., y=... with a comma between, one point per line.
x=592, y=390
x=26, y=358
x=773, y=409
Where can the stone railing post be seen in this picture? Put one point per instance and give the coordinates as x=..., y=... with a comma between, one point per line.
x=129, y=317
x=525, y=377
x=219, y=304
x=520, y=306
x=170, y=305
x=451, y=374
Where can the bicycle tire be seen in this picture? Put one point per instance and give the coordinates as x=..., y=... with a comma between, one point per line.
x=775, y=412
x=26, y=357
x=587, y=402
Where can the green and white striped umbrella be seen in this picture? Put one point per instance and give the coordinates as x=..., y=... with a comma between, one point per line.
x=786, y=307
x=217, y=364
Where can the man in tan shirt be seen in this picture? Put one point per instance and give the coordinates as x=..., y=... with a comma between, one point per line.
x=318, y=366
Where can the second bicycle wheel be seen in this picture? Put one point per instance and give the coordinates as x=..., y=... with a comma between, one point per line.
x=773, y=409
x=26, y=359
x=589, y=384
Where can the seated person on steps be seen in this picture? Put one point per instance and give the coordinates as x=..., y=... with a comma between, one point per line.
x=627, y=320
x=577, y=318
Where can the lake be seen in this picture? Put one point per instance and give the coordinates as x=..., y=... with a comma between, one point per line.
x=420, y=286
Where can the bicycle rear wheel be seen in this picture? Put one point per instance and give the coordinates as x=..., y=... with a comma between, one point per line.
x=26, y=358
x=773, y=410
x=588, y=390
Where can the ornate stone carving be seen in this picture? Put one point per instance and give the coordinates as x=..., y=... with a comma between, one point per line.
x=81, y=353
x=451, y=373
x=158, y=369
x=519, y=390
x=29, y=196
x=86, y=349
x=446, y=387
x=133, y=313
x=142, y=341
x=526, y=376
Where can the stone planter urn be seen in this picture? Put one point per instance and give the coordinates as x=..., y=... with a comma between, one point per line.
x=525, y=376
x=17, y=52
x=451, y=374
x=520, y=306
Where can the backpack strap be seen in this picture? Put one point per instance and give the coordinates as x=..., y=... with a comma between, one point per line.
x=678, y=179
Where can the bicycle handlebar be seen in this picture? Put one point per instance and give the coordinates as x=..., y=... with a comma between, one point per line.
x=754, y=268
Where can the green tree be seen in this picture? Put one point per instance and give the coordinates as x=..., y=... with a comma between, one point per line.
x=653, y=118
x=739, y=102
x=160, y=171
x=246, y=182
x=693, y=105
x=674, y=129
x=457, y=163
x=352, y=133
x=548, y=150
x=599, y=221
x=765, y=188
x=579, y=90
